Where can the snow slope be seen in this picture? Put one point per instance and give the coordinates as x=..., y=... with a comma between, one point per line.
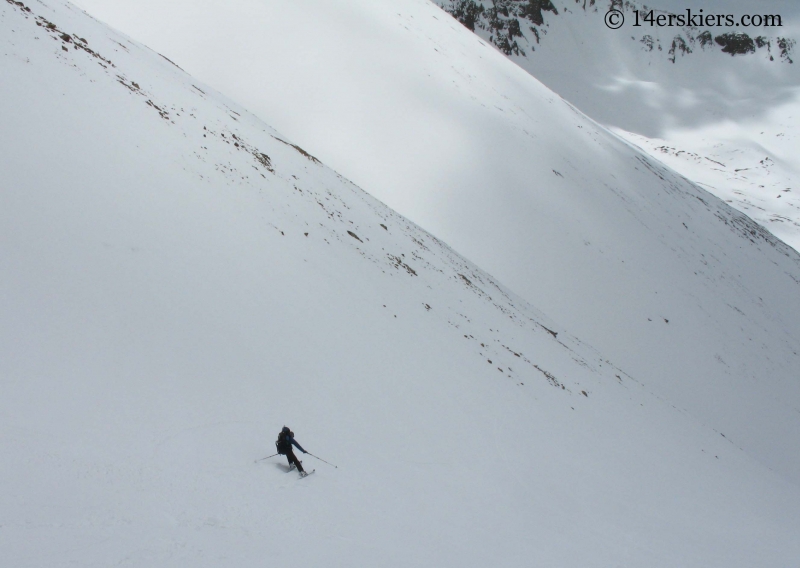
x=720, y=116
x=750, y=163
x=682, y=292
x=179, y=280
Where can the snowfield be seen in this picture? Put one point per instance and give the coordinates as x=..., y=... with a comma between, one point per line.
x=178, y=280
x=672, y=285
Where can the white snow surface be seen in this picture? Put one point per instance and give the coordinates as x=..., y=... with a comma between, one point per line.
x=662, y=278
x=179, y=280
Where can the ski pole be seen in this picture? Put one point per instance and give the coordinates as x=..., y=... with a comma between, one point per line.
x=322, y=460
x=272, y=456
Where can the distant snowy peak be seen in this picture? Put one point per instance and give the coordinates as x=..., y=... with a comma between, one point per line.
x=517, y=27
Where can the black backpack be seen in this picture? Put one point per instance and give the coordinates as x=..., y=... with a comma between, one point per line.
x=282, y=444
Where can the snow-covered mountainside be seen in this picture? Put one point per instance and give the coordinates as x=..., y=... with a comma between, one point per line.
x=718, y=104
x=178, y=280
x=662, y=278
x=751, y=163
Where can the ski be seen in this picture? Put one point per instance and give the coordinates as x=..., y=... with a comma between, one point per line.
x=307, y=473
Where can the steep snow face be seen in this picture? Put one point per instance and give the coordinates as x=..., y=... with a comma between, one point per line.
x=718, y=104
x=671, y=284
x=178, y=280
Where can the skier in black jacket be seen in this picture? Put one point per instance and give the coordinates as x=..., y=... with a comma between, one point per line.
x=284, y=445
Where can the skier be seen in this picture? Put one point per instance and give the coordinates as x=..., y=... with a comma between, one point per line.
x=284, y=445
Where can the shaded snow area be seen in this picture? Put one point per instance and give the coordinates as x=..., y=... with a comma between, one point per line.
x=178, y=281
x=720, y=105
